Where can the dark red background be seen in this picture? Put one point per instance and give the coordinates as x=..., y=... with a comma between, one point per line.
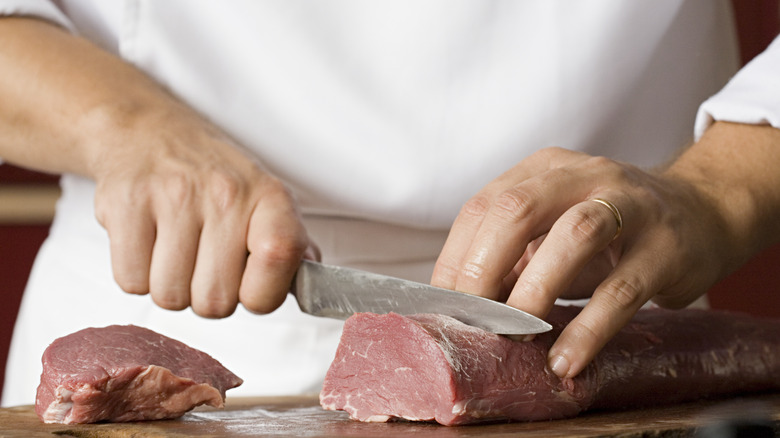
x=758, y=22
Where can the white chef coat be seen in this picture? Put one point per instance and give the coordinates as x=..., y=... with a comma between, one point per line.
x=383, y=117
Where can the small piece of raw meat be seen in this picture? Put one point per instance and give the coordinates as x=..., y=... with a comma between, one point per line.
x=432, y=367
x=126, y=373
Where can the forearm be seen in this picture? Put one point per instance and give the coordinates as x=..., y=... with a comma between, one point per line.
x=62, y=98
x=735, y=167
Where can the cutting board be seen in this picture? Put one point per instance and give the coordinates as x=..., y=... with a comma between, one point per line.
x=303, y=417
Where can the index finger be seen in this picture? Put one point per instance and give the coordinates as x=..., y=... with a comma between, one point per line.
x=276, y=242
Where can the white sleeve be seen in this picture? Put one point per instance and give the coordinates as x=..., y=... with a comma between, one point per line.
x=38, y=8
x=751, y=96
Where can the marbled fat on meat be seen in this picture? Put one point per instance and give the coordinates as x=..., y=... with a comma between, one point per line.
x=434, y=368
x=126, y=373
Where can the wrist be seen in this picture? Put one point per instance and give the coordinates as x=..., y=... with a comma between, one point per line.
x=118, y=131
x=731, y=170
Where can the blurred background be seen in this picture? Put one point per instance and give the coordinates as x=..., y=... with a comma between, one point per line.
x=27, y=207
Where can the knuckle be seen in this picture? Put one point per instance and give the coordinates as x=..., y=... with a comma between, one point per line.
x=275, y=250
x=214, y=306
x=131, y=285
x=445, y=272
x=273, y=187
x=618, y=172
x=226, y=189
x=606, y=167
x=474, y=279
x=622, y=295
x=548, y=153
x=533, y=289
x=112, y=201
x=586, y=333
x=600, y=162
x=179, y=189
x=552, y=157
x=584, y=227
x=276, y=185
x=514, y=205
x=262, y=305
x=473, y=270
x=476, y=207
x=170, y=300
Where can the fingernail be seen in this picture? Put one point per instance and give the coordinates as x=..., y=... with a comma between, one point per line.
x=560, y=366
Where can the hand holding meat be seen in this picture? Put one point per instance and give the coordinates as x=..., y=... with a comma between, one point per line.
x=665, y=236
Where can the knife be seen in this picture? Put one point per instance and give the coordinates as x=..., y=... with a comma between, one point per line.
x=337, y=292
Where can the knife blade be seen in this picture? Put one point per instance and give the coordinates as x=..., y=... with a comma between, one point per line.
x=338, y=292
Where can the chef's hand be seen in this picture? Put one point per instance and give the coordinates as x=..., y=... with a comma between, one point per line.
x=192, y=220
x=537, y=233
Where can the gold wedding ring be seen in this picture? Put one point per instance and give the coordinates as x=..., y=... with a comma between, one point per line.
x=615, y=212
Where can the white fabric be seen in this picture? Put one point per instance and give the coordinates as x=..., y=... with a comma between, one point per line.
x=44, y=9
x=752, y=96
x=384, y=117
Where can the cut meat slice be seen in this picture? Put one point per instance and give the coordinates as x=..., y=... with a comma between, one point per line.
x=126, y=373
x=432, y=367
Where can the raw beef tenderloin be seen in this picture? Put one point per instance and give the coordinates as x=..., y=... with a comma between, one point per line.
x=432, y=367
x=126, y=373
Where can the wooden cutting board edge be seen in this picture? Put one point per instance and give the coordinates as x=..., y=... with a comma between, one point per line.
x=661, y=422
